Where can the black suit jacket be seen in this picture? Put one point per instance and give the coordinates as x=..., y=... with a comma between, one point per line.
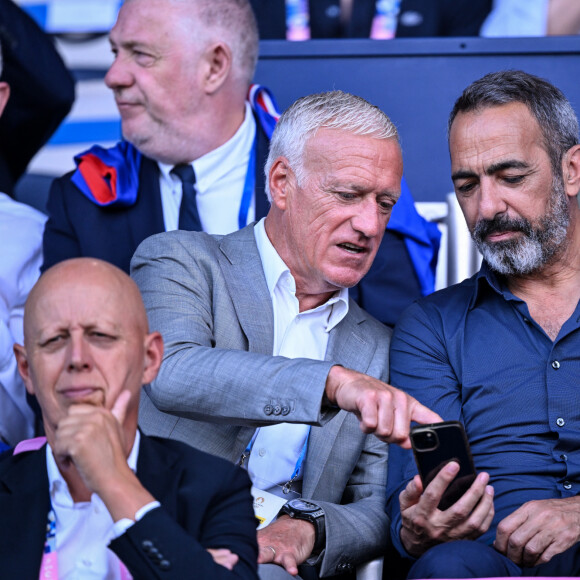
x=77, y=227
x=417, y=18
x=205, y=503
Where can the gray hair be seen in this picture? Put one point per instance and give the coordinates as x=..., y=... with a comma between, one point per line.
x=236, y=20
x=331, y=110
x=553, y=112
x=229, y=21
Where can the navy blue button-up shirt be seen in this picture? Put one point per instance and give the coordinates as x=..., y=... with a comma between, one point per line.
x=473, y=353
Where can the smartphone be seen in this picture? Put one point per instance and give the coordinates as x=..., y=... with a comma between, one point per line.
x=434, y=446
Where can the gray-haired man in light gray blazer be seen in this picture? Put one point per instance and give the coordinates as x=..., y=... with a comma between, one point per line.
x=244, y=316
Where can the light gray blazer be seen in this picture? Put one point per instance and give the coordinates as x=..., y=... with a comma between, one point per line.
x=208, y=297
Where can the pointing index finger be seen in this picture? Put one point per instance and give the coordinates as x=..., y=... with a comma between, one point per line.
x=424, y=415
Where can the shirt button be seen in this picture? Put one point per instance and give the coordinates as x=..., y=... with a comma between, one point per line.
x=262, y=452
x=564, y=457
x=560, y=422
x=567, y=485
x=555, y=365
x=87, y=563
x=165, y=565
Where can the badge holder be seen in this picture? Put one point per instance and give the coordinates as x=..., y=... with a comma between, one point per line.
x=268, y=502
x=270, y=497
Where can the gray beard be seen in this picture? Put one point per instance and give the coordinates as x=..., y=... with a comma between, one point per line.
x=538, y=244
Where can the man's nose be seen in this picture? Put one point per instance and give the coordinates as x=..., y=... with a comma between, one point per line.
x=119, y=74
x=368, y=219
x=79, y=354
x=491, y=199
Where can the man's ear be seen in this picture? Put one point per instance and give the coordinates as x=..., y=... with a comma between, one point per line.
x=4, y=94
x=571, y=171
x=23, y=367
x=153, y=356
x=280, y=180
x=218, y=60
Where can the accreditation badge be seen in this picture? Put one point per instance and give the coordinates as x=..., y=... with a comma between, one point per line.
x=268, y=504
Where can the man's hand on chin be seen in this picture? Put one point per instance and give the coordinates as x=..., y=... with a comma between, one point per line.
x=91, y=437
x=91, y=440
x=287, y=542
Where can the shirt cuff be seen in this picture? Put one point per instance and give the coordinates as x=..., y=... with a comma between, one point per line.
x=121, y=526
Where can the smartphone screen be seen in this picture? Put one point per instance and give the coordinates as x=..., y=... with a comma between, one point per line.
x=434, y=446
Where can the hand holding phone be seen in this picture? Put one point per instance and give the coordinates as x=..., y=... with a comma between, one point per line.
x=437, y=444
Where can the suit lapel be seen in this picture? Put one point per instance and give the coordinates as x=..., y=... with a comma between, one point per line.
x=24, y=506
x=348, y=347
x=244, y=275
x=156, y=471
x=146, y=217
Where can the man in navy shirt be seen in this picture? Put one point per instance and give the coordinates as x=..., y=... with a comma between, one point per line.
x=501, y=351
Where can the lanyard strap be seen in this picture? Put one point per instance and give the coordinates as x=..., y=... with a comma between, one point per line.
x=49, y=564
x=249, y=185
x=286, y=488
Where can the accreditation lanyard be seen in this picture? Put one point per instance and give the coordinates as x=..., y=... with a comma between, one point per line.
x=49, y=564
x=249, y=184
x=287, y=487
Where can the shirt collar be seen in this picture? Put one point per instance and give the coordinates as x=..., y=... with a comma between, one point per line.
x=215, y=164
x=56, y=482
x=485, y=280
x=276, y=272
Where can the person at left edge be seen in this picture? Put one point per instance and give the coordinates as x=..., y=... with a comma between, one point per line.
x=42, y=92
x=103, y=499
x=181, y=76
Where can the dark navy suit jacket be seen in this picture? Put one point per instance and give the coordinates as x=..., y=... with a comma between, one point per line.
x=77, y=227
x=205, y=503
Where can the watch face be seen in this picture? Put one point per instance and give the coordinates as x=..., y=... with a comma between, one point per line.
x=300, y=504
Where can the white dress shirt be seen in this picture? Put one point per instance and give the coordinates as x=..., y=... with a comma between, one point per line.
x=84, y=529
x=220, y=178
x=21, y=229
x=276, y=448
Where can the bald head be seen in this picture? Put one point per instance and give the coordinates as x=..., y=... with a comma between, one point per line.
x=86, y=340
x=116, y=290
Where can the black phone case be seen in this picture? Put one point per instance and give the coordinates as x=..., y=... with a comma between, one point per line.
x=451, y=445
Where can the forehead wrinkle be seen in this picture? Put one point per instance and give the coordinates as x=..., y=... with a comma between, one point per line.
x=491, y=169
x=158, y=24
x=118, y=293
x=507, y=164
